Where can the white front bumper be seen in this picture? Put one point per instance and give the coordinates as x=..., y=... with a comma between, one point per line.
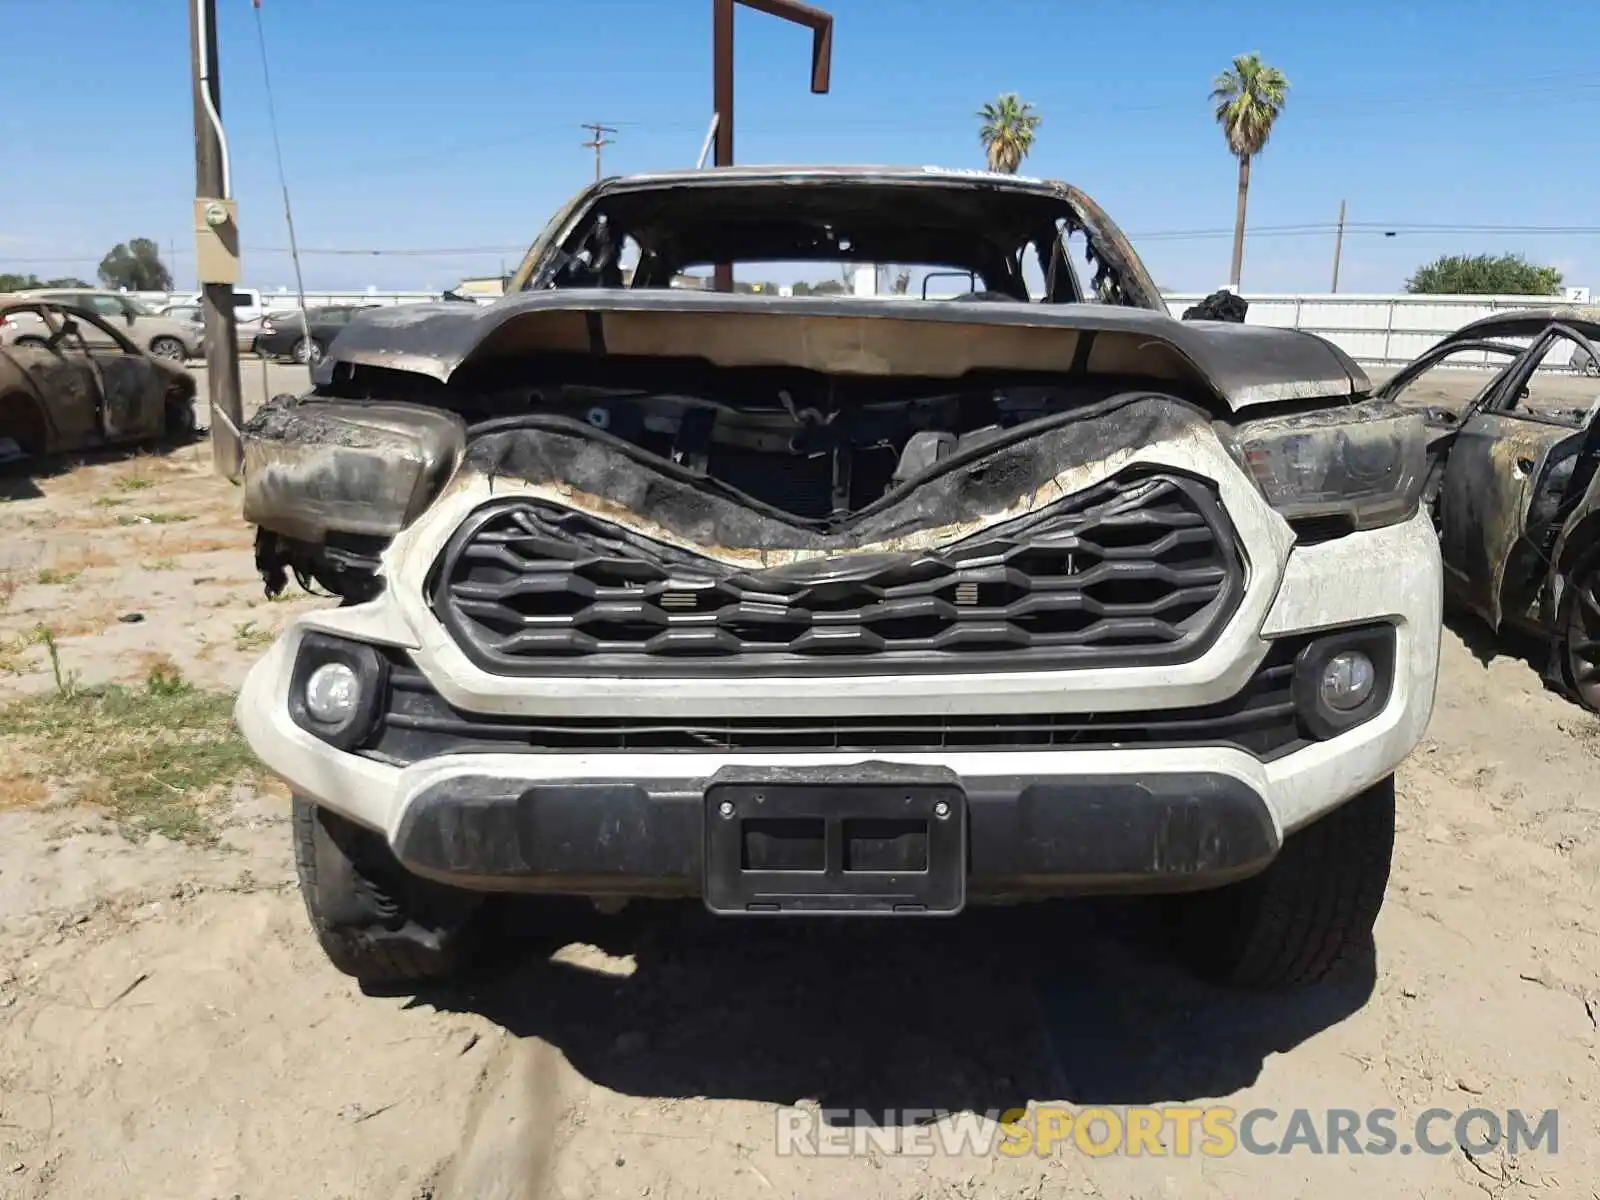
x=1385, y=575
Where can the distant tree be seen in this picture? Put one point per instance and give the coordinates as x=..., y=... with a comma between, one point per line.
x=10, y=282
x=135, y=265
x=1248, y=100
x=1007, y=133
x=1484, y=275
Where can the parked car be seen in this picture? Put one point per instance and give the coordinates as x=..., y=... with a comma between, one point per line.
x=284, y=335
x=1513, y=483
x=83, y=385
x=244, y=331
x=249, y=304
x=171, y=338
x=840, y=605
x=247, y=332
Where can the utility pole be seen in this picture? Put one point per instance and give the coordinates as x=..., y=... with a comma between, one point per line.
x=216, y=243
x=596, y=142
x=1338, y=246
x=821, y=26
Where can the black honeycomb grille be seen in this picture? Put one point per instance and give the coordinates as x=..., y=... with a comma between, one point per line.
x=1138, y=570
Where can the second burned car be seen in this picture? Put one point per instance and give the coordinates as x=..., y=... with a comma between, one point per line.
x=1513, y=482
x=837, y=604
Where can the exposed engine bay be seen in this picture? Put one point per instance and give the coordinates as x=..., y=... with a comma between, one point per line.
x=811, y=451
x=817, y=450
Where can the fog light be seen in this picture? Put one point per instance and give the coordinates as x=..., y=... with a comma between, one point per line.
x=1347, y=681
x=333, y=693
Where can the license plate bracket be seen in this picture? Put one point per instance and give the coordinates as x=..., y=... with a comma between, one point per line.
x=876, y=841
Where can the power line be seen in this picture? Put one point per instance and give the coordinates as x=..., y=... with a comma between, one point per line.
x=598, y=141
x=1554, y=87
x=1308, y=229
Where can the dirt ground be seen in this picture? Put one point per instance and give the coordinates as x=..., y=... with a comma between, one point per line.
x=169, y=1029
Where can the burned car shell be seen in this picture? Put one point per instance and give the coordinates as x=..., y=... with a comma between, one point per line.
x=1033, y=565
x=1515, y=491
x=70, y=397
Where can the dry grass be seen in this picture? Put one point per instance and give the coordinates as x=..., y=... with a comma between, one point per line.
x=21, y=791
x=55, y=577
x=201, y=543
x=156, y=757
x=88, y=619
x=14, y=650
x=76, y=559
x=153, y=518
x=247, y=636
x=8, y=588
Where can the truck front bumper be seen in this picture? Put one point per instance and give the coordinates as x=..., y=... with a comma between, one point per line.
x=1185, y=812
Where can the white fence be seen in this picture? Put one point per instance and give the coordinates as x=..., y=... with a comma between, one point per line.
x=290, y=301
x=1374, y=328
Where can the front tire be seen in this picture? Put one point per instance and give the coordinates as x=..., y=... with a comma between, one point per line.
x=1580, y=636
x=179, y=423
x=374, y=919
x=170, y=349
x=1309, y=916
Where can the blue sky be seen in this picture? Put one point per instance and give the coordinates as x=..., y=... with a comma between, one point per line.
x=414, y=125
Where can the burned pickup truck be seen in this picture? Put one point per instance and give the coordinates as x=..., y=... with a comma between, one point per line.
x=842, y=604
x=1513, y=482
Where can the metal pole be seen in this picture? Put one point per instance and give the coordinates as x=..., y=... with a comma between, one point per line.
x=722, y=103
x=821, y=26
x=1338, y=247
x=705, y=146
x=597, y=142
x=211, y=180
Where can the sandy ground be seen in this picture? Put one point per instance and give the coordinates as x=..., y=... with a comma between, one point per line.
x=168, y=1027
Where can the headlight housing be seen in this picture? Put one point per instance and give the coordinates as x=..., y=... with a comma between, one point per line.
x=1366, y=463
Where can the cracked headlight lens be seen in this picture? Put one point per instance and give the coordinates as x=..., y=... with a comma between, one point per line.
x=1366, y=462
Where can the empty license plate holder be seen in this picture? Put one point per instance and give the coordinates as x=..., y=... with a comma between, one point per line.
x=876, y=843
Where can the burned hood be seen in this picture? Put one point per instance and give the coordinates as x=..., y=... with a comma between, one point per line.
x=1529, y=322
x=1242, y=366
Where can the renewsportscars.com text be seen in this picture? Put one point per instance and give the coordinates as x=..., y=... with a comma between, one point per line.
x=1214, y=1131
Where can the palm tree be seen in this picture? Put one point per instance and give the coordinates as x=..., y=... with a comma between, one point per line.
x=1008, y=130
x=1249, y=99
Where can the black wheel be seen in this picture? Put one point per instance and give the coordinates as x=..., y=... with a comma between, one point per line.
x=34, y=343
x=22, y=423
x=170, y=349
x=180, y=423
x=375, y=920
x=307, y=350
x=1307, y=917
x=1580, y=640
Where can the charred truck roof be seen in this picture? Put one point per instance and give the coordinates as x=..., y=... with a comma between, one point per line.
x=568, y=296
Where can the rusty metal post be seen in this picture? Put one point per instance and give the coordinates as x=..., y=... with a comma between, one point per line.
x=216, y=273
x=821, y=26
